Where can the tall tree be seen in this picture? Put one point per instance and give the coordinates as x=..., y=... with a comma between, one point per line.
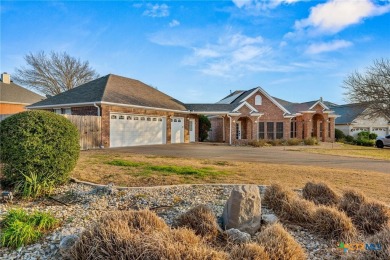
x=54, y=73
x=371, y=89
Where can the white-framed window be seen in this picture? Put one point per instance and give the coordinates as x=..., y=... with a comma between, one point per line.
x=67, y=111
x=58, y=111
x=258, y=100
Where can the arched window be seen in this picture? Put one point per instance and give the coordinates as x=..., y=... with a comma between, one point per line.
x=258, y=100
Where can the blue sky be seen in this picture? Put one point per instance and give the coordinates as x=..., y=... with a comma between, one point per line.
x=197, y=51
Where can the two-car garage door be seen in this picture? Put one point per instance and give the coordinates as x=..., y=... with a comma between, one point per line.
x=133, y=130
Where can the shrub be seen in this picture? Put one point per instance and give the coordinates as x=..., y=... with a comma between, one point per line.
x=39, y=149
x=338, y=134
x=258, y=143
x=363, y=135
x=349, y=139
x=279, y=244
x=294, y=141
x=365, y=142
x=21, y=228
x=383, y=239
x=320, y=194
x=276, y=142
x=202, y=220
x=250, y=251
x=119, y=238
x=288, y=205
x=350, y=202
x=311, y=141
x=333, y=224
x=372, y=217
x=372, y=136
x=204, y=127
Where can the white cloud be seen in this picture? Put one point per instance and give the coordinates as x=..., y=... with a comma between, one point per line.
x=335, y=15
x=156, y=10
x=262, y=4
x=317, y=48
x=174, y=23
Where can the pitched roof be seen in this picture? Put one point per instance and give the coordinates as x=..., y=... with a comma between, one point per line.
x=348, y=112
x=114, y=89
x=14, y=93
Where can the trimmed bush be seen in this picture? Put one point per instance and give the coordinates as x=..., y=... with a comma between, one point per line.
x=311, y=141
x=258, y=143
x=372, y=217
x=279, y=244
x=21, y=228
x=365, y=142
x=363, y=135
x=372, y=136
x=294, y=141
x=202, y=220
x=250, y=251
x=333, y=224
x=320, y=194
x=349, y=139
x=338, y=134
x=39, y=149
x=119, y=238
x=350, y=202
x=383, y=239
x=289, y=206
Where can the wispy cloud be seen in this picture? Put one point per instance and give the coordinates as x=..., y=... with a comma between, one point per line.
x=174, y=23
x=317, y=48
x=261, y=4
x=156, y=10
x=336, y=15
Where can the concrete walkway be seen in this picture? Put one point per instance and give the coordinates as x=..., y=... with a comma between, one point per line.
x=275, y=155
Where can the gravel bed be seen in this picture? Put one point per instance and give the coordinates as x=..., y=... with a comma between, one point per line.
x=85, y=204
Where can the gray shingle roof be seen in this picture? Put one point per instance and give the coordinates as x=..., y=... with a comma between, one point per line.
x=347, y=112
x=115, y=89
x=17, y=94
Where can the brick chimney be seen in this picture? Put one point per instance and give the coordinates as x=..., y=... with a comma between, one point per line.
x=5, y=78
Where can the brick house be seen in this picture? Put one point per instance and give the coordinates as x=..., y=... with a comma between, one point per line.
x=254, y=114
x=132, y=113
x=14, y=98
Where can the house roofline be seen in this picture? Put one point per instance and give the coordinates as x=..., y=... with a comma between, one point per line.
x=14, y=103
x=321, y=103
x=246, y=104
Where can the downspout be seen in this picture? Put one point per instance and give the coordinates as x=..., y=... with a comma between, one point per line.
x=223, y=127
x=230, y=129
x=101, y=130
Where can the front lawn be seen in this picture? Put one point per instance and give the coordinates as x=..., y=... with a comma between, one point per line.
x=127, y=169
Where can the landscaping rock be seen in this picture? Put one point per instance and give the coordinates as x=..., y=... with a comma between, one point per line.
x=243, y=209
x=66, y=243
x=236, y=236
x=269, y=218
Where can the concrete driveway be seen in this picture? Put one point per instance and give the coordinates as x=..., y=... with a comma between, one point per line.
x=276, y=155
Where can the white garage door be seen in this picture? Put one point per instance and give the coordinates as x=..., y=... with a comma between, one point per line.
x=133, y=130
x=380, y=131
x=177, y=130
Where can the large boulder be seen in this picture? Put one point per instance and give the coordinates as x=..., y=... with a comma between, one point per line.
x=243, y=209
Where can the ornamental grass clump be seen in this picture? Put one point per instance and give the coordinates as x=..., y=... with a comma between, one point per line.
x=333, y=224
x=279, y=244
x=202, y=220
x=381, y=241
x=320, y=194
x=140, y=235
x=372, y=217
x=249, y=251
x=350, y=202
x=20, y=228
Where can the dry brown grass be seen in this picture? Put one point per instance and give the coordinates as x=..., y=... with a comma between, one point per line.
x=350, y=202
x=116, y=238
x=320, y=194
x=372, y=217
x=288, y=206
x=333, y=224
x=249, y=251
x=279, y=244
x=92, y=167
x=383, y=239
x=202, y=220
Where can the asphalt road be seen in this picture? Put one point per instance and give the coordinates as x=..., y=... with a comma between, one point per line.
x=275, y=155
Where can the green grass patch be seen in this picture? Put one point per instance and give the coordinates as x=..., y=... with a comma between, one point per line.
x=146, y=169
x=20, y=228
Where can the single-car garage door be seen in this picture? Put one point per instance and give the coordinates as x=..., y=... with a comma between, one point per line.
x=177, y=130
x=380, y=131
x=133, y=130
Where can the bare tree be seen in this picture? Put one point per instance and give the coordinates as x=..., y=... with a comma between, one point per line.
x=55, y=73
x=372, y=89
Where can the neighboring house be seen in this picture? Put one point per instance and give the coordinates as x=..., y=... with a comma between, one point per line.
x=14, y=98
x=353, y=120
x=132, y=112
x=254, y=114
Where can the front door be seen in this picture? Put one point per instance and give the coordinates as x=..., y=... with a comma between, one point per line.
x=192, y=130
x=238, y=130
